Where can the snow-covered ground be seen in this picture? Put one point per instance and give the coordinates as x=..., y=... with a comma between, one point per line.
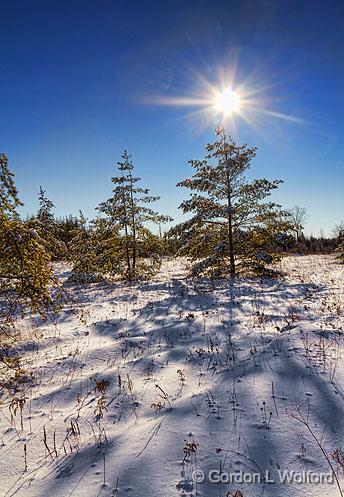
x=138, y=388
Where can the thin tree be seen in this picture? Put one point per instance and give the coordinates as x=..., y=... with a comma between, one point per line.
x=46, y=206
x=48, y=227
x=128, y=211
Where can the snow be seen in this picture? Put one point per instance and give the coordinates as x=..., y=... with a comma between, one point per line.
x=200, y=377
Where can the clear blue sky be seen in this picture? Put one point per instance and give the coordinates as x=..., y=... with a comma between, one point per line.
x=76, y=76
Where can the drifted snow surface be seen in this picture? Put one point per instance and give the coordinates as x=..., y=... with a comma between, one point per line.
x=220, y=372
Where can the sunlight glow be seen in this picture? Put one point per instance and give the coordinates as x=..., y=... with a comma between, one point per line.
x=227, y=101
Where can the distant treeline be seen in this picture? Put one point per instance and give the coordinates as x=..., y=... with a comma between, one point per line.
x=311, y=245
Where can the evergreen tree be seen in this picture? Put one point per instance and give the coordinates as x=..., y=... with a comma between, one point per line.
x=96, y=250
x=26, y=276
x=339, y=234
x=231, y=229
x=48, y=227
x=45, y=214
x=9, y=200
x=82, y=251
x=109, y=248
x=340, y=251
x=127, y=213
x=67, y=227
x=25, y=272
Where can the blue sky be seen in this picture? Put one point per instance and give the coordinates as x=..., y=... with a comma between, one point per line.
x=78, y=78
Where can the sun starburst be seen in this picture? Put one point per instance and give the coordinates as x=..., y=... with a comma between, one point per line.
x=225, y=102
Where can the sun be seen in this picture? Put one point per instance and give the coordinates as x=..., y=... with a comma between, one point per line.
x=227, y=101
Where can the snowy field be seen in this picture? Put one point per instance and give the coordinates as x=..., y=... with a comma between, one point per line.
x=137, y=389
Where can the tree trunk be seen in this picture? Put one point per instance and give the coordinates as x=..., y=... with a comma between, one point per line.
x=231, y=243
x=232, y=267
x=126, y=232
x=133, y=227
x=127, y=249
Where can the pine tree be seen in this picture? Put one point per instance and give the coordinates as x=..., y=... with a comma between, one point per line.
x=339, y=235
x=127, y=212
x=26, y=276
x=9, y=200
x=109, y=248
x=340, y=251
x=82, y=251
x=45, y=214
x=67, y=227
x=25, y=270
x=48, y=227
x=231, y=229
